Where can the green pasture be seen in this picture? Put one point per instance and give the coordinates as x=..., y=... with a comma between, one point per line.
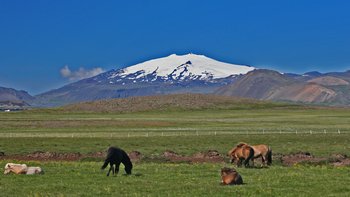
x=317, y=144
x=230, y=120
x=322, y=132
x=150, y=179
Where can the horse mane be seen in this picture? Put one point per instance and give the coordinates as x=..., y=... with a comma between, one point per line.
x=241, y=144
x=228, y=170
x=231, y=151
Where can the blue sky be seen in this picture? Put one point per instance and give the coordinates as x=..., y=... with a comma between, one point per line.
x=39, y=38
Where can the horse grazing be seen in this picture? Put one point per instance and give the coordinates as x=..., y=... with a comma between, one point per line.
x=263, y=151
x=229, y=176
x=241, y=152
x=115, y=156
x=22, y=169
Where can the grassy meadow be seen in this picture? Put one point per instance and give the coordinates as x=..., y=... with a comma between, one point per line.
x=286, y=128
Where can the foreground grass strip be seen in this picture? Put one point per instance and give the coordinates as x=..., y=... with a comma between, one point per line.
x=86, y=179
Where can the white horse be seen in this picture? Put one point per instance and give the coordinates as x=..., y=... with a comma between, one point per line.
x=35, y=170
x=22, y=169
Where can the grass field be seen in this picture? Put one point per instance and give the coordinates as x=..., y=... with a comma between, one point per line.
x=286, y=129
x=85, y=179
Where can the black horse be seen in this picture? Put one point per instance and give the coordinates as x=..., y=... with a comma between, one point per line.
x=115, y=156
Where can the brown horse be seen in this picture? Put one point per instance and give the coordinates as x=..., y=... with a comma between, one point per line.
x=263, y=151
x=229, y=176
x=241, y=152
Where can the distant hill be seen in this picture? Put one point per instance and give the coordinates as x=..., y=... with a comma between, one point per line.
x=258, y=84
x=271, y=85
x=11, y=98
x=329, y=81
x=171, y=102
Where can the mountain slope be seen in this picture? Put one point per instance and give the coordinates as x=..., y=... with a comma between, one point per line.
x=169, y=75
x=329, y=81
x=271, y=85
x=258, y=84
x=14, y=98
x=172, y=102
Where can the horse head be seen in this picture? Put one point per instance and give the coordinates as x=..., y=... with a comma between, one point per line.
x=232, y=154
x=7, y=168
x=15, y=168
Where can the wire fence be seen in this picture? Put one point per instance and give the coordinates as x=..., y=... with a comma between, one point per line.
x=172, y=133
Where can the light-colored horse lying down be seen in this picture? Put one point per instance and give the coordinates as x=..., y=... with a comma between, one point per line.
x=22, y=169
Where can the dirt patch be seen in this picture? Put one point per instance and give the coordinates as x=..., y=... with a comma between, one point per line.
x=39, y=155
x=135, y=156
x=211, y=156
x=308, y=158
x=301, y=157
x=340, y=160
x=170, y=154
x=44, y=156
x=208, y=154
x=99, y=154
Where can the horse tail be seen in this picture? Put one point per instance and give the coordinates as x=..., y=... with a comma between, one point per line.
x=269, y=157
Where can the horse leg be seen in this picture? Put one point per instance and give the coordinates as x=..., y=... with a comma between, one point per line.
x=246, y=163
x=111, y=168
x=117, y=167
x=263, y=160
x=239, y=162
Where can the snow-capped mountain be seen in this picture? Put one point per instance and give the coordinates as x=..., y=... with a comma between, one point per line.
x=191, y=73
x=168, y=75
x=175, y=68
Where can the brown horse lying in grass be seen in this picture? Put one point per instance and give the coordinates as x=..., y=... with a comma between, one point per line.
x=229, y=176
x=22, y=169
x=242, y=152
